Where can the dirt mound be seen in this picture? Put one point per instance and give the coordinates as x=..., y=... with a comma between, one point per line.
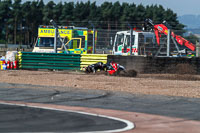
x=128, y=73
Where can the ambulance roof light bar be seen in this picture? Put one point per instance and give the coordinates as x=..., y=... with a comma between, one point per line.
x=59, y=27
x=64, y=27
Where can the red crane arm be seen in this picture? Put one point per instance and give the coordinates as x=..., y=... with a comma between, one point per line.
x=162, y=29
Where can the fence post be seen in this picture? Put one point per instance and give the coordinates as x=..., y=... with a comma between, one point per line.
x=131, y=33
x=197, y=49
x=56, y=35
x=93, y=39
x=131, y=43
x=168, y=42
x=55, y=41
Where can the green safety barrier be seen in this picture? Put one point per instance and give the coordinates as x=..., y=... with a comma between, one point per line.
x=88, y=59
x=31, y=60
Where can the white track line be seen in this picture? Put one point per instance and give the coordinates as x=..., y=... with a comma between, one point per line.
x=129, y=124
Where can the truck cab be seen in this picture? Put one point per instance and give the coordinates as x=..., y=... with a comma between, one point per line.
x=142, y=43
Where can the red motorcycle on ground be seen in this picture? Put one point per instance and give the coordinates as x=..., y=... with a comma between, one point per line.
x=111, y=68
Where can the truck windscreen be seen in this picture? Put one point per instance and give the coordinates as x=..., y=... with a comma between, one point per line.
x=47, y=42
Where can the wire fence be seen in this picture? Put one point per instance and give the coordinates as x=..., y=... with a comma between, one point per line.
x=107, y=39
x=107, y=31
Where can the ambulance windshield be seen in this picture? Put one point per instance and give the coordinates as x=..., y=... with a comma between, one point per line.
x=46, y=42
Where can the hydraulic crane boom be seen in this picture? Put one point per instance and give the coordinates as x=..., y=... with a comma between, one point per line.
x=162, y=29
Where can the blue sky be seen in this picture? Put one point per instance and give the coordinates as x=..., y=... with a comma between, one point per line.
x=181, y=7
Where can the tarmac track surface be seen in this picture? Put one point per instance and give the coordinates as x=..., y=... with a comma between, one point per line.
x=150, y=113
x=26, y=118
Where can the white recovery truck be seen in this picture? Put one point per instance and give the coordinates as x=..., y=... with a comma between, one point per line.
x=143, y=43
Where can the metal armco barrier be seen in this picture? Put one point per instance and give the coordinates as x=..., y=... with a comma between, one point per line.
x=30, y=60
x=88, y=59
